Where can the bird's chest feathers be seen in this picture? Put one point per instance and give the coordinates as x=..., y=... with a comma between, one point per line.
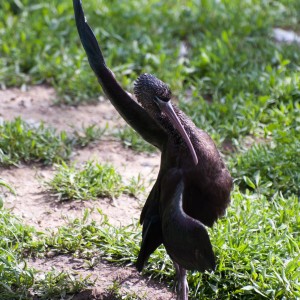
x=176, y=154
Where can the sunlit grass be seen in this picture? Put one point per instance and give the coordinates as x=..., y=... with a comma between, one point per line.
x=88, y=135
x=92, y=181
x=21, y=141
x=233, y=80
x=257, y=247
x=59, y=285
x=270, y=168
x=132, y=140
x=17, y=279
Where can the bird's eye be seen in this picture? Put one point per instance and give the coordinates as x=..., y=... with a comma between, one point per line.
x=162, y=98
x=159, y=100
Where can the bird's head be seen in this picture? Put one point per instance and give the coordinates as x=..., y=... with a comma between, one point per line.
x=151, y=92
x=155, y=96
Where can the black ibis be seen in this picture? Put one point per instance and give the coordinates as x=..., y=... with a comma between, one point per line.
x=193, y=186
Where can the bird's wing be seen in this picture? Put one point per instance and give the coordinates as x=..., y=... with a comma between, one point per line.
x=152, y=234
x=185, y=239
x=152, y=201
x=152, y=239
x=130, y=110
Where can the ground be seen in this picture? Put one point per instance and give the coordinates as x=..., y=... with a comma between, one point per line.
x=39, y=209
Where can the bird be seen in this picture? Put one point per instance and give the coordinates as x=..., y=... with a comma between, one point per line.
x=193, y=186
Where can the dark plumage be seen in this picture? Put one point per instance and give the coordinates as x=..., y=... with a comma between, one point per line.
x=193, y=186
x=148, y=86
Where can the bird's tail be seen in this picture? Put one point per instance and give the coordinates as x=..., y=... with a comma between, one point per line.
x=152, y=239
x=88, y=39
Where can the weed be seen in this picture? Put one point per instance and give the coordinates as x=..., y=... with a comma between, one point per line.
x=233, y=80
x=132, y=140
x=4, y=185
x=269, y=168
x=21, y=141
x=115, y=292
x=93, y=181
x=135, y=186
x=15, y=276
x=88, y=135
x=57, y=285
x=17, y=279
x=257, y=246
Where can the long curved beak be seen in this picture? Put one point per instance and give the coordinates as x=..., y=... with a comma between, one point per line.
x=167, y=108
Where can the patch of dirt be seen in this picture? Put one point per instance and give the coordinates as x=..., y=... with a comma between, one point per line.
x=31, y=203
x=42, y=211
x=105, y=275
x=37, y=104
x=126, y=161
x=39, y=209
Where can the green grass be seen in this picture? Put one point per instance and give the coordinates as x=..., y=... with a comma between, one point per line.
x=229, y=36
x=133, y=141
x=4, y=186
x=231, y=59
x=271, y=168
x=88, y=135
x=17, y=279
x=94, y=180
x=257, y=247
x=235, y=82
x=15, y=276
x=59, y=285
x=21, y=141
x=115, y=292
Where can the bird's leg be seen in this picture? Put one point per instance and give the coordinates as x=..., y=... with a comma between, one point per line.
x=183, y=288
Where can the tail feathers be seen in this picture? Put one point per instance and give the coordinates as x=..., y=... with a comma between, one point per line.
x=88, y=39
x=152, y=239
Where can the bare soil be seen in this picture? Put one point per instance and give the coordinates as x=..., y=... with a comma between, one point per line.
x=39, y=209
